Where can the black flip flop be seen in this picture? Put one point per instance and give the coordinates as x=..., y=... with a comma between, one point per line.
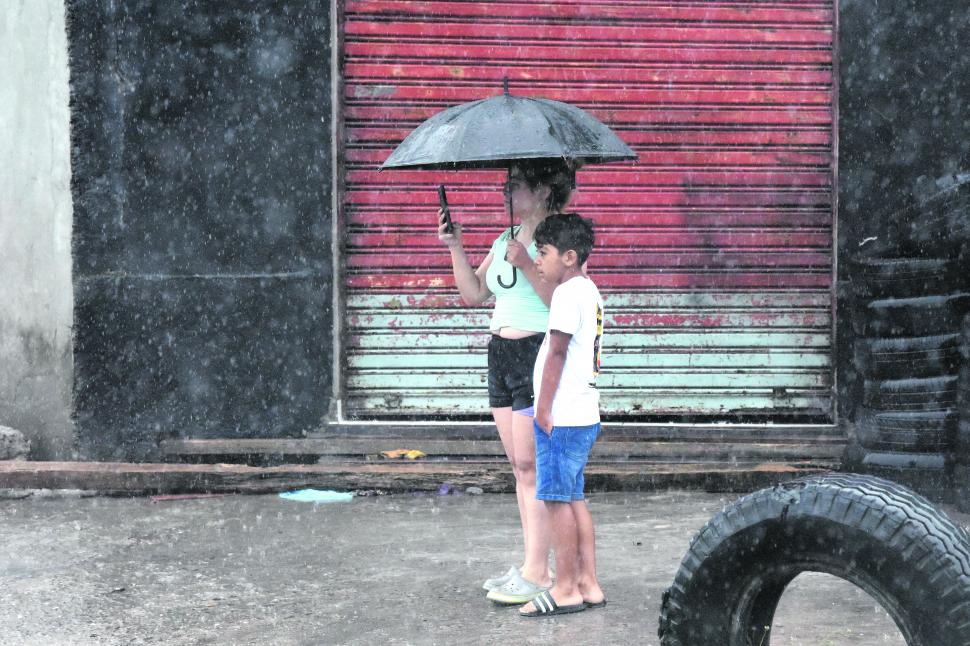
x=546, y=606
x=598, y=604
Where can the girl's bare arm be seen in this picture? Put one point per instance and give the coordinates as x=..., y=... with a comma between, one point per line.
x=470, y=282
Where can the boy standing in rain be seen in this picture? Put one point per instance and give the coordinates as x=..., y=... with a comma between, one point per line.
x=567, y=419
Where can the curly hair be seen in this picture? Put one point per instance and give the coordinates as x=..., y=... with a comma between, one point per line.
x=566, y=231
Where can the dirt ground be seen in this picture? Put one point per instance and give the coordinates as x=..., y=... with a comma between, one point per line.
x=378, y=570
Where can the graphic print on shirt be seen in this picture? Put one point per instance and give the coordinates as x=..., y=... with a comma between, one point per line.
x=597, y=351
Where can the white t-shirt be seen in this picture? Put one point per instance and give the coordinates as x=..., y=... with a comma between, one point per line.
x=576, y=309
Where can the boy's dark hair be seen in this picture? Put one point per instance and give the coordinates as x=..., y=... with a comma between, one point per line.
x=558, y=174
x=566, y=231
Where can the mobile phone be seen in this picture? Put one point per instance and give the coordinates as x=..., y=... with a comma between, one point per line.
x=443, y=202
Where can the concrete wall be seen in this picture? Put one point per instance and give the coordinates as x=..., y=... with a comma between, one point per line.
x=904, y=102
x=36, y=298
x=202, y=262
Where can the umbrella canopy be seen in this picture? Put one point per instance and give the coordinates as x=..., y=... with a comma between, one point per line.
x=491, y=133
x=494, y=132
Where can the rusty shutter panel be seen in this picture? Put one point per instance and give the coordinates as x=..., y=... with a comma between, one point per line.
x=714, y=252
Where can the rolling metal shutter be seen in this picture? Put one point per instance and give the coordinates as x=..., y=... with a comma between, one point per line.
x=714, y=252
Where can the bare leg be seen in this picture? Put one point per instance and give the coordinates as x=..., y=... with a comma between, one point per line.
x=536, y=565
x=587, y=582
x=565, y=540
x=503, y=421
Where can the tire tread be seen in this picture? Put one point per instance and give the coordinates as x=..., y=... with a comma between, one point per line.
x=893, y=516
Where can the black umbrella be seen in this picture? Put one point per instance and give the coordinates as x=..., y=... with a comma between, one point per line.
x=498, y=131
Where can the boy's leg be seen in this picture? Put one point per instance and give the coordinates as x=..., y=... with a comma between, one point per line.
x=536, y=565
x=565, y=541
x=561, y=488
x=587, y=582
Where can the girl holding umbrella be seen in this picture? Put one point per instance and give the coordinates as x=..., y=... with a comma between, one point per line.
x=534, y=190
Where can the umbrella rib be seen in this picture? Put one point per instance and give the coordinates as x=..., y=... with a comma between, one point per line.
x=555, y=133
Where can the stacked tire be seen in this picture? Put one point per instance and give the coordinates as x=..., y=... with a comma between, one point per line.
x=907, y=316
x=962, y=444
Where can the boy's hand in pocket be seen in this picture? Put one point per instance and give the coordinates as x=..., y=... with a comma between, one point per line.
x=544, y=421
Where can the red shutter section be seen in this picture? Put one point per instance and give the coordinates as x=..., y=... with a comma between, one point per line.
x=714, y=251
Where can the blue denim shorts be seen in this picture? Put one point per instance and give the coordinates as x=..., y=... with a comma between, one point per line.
x=560, y=460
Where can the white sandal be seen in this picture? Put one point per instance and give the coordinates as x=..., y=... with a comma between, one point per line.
x=515, y=591
x=499, y=581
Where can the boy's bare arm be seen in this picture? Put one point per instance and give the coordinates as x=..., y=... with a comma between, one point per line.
x=551, y=374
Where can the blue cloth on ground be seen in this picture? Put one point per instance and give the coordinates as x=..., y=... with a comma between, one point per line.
x=317, y=495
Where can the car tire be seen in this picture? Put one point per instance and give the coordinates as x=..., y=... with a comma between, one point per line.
x=961, y=451
x=931, y=474
x=961, y=482
x=963, y=391
x=907, y=431
x=908, y=317
x=908, y=357
x=874, y=533
x=903, y=277
x=940, y=226
x=927, y=393
x=965, y=341
x=892, y=463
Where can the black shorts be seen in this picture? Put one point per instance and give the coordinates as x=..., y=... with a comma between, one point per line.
x=510, y=364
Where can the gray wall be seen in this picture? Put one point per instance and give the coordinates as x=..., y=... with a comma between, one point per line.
x=36, y=298
x=904, y=133
x=202, y=251
x=904, y=102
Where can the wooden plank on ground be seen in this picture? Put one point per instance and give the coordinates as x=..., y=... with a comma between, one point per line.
x=130, y=479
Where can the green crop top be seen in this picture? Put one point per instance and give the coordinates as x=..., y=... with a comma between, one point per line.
x=518, y=306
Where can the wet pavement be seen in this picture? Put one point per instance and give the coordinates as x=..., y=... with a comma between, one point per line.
x=396, y=569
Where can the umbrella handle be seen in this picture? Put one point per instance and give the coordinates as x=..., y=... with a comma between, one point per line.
x=510, y=285
x=511, y=218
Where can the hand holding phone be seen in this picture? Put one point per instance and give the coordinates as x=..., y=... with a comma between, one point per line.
x=446, y=213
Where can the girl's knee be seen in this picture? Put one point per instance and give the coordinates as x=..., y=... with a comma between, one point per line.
x=525, y=469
